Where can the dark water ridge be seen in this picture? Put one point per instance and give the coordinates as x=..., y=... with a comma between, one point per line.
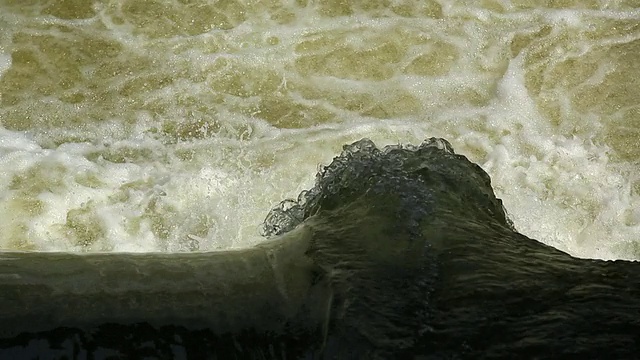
x=402, y=252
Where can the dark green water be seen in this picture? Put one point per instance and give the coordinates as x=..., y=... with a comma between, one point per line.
x=143, y=142
x=398, y=253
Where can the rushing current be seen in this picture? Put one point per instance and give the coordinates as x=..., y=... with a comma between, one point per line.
x=143, y=143
x=395, y=253
x=174, y=126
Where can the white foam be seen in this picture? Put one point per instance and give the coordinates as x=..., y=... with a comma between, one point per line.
x=5, y=61
x=192, y=165
x=559, y=190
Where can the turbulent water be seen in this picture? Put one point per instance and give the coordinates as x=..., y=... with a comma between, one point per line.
x=174, y=126
x=395, y=253
x=143, y=143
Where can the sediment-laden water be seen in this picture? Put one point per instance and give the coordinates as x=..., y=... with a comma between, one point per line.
x=157, y=126
x=143, y=143
x=395, y=253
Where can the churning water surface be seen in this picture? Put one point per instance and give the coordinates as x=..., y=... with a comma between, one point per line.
x=174, y=126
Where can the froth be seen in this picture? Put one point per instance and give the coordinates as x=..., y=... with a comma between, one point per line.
x=176, y=127
x=5, y=62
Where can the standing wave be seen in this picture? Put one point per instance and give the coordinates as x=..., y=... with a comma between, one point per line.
x=396, y=253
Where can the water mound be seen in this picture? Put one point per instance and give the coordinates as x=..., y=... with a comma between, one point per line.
x=396, y=253
x=362, y=167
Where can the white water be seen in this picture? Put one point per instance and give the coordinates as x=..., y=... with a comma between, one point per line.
x=160, y=126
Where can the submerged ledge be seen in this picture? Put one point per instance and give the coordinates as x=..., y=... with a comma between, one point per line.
x=402, y=252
